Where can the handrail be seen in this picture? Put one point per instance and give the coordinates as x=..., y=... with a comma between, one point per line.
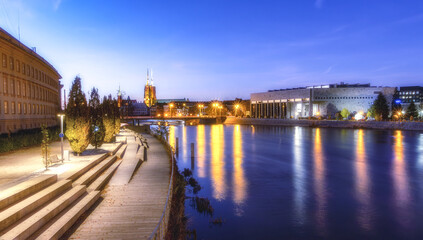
x=160, y=230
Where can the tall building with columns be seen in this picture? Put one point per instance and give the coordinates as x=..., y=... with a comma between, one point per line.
x=323, y=100
x=29, y=87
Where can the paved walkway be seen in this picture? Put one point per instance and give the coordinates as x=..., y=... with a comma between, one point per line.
x=21, y=165
x=132, y=211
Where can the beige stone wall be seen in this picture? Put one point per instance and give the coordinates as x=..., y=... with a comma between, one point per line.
x=29, y=87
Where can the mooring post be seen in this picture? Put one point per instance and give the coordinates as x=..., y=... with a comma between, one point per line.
x=177, y=146
x=192, y=156
x=145, y=152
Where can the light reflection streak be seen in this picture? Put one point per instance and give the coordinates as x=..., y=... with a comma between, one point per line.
x=239, y=181
x=362, y=187
x=299, y=177
x=401, y=188
x=217, y=162
x=319, y=183
x=184, y=143
x=171, y=136
x=201, y=149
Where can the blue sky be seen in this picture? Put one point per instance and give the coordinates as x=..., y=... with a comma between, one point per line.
x=223, y=49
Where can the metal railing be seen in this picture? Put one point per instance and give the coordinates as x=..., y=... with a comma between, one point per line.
x=161, y=228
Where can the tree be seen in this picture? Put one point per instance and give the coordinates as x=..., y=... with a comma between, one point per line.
x=108, y=118
x=45, y=149
x=412, y=112
x=380, y=108
x=77, y=118
x=116, y=115
x=97, y=130
x=345, y=113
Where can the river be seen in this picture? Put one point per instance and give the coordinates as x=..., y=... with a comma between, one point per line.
x=304, y=183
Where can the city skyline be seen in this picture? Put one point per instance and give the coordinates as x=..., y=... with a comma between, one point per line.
x=219, y=50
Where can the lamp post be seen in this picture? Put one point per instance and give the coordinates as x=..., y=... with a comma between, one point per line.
x=61, y=135
x=170, y=108
x=236, y=109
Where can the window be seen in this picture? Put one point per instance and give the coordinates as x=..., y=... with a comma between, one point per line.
x=23, y=68
x=28, y=73
x=5, y=86
x=11, y=63
x=19, y=108
x=24, y=108
x=32, y=71
x=12, y=86
x=13, y=108
x=4, y=60
x=24, y=89
x=18, y=88
x=6, y=107
x=29, y=108
x=18, y=66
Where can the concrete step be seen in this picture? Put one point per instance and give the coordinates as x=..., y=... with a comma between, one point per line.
x=101, y=181
x=121, y=151
x=94, y=172
x=15, y=212
x=87, y=167
x=19, y=192
x=116, y=149
x=30, y=225
x=61, y=225
x=128, y=166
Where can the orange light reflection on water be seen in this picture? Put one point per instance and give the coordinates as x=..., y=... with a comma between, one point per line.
x=319, y=183
x=201, y=149
x=239, y=181
x=362, y=182
x=217, y=162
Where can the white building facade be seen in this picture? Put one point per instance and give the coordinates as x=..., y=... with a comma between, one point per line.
x=324, y=100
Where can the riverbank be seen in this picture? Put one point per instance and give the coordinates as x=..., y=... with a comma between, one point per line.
x=414, y=126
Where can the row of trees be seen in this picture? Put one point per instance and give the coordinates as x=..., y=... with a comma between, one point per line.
x=92, y=123
x=380, y=110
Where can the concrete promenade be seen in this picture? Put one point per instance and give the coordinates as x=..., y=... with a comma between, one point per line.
x=132, y=210
x=414, y=126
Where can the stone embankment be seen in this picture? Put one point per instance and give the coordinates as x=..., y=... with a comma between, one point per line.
x=415, y=126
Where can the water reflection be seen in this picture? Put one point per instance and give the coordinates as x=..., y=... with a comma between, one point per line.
x=239, y=184
x=362, y=182
x=299, y=177
x=184, y=142
x=217, y=162
x=171, y=136
x=401, y=187
x=201, y=149
x=319, y=183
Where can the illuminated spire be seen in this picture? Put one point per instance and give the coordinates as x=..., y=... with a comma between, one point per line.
x=119, y=92
x=147, y=76
x=151, y=76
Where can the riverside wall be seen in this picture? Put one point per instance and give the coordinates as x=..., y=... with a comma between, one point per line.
x=414, y=126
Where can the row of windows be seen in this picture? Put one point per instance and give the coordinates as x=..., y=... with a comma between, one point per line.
x=409, y=93
x=344, y=97
x=27, y=70
x=24, y=108
x=411, y=97
x=26, y=89
x=13, y=127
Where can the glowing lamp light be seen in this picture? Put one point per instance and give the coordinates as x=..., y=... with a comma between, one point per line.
x=158, y=115
x=165, y=114
x=359, y=116
x=318, y=113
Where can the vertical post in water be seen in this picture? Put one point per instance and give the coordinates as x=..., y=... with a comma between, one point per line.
x=145, y=153
x=192, y=156
x=177, y=146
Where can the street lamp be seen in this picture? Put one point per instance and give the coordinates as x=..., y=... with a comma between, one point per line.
x=236, y=109
x=61, y=135
x=170, y=107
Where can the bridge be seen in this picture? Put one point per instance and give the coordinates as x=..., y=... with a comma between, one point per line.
x=190, y=120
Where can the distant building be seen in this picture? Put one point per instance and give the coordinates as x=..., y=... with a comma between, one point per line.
x=406, y=95
x=324, y=100
x=150, y=98
x=29, y=87
x=140, y=109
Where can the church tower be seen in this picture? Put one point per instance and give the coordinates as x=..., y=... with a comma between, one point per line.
x=150, y=90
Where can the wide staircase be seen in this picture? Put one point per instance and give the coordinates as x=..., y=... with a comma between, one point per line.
x=45, y=207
